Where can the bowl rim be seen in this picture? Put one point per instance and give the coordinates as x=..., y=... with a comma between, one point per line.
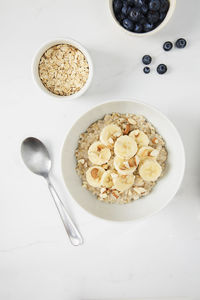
x=179, y=182
x=50, y=43
x=158, y=28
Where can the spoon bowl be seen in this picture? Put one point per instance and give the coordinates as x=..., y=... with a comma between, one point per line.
x=36, y=156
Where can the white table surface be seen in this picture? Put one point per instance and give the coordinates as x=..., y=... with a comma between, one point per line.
x=156, y=258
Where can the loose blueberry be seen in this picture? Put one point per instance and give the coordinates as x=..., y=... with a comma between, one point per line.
x=144, y=9
x=146, y=70
x=146, y=59
x=148, y=27
x=162, y=16
x=181, y=43
x=154, y=5
x=131, y=2
x=128, y=24
x=139, y=3
x=138, y=28
x=167, y=46
x=161, y=69
x=153, y=16
x=117, y=6
x=164, y=5
x=134, y=14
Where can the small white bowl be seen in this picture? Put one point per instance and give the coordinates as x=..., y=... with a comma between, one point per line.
x=50, y=44
x=164, y=22
x=165, y=188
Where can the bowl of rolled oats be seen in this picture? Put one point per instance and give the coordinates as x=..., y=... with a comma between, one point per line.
x=63, y=68
x=125, y=161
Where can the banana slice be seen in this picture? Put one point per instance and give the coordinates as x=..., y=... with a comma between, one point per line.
x=123, y=182
x=125, y=147
x=148, y=151
x=140, y=137
x=150, y=170
x=107, y=180
x=124, y=166
x=98, y=154
x=109, y=134
x=94, y=176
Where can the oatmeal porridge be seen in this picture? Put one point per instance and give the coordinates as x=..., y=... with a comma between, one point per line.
x=120, y=157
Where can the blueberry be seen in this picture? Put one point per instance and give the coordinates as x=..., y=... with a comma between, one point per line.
x=131, y=2
x=117, y=6
x=164, y=5
x=135, y=14
x=162, y=16
x=148, y=27
x=153, y=17
x=146, y=70
x=167, y=46
x=146, y=59
x=139, y=3
x=138, y=28
x=120, y=17
x=125, y=9
x=154, y=5
x=144, y=9
x=181, y=43
x=161, y=69
x=128, y=24
x=142, y=19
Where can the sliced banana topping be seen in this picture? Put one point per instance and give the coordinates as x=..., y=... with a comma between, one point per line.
x=107, y=180
x=109, y=134
x=150, y=170
x=123, y=182
x=98, y=154
x=140, y=137
x=125, y=147
x=148, y=151
x=124, y=166
x=131, y=153
x=94, y=176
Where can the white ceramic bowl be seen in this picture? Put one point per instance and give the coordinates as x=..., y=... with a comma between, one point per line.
x=164, y=22
x=161, y=194
x=41, y=51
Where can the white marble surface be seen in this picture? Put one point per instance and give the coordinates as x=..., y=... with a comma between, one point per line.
x=157, y=258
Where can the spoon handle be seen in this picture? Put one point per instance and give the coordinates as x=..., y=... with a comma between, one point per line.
x=72, y=231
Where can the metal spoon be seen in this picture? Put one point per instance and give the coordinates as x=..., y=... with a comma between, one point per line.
x=37, y=159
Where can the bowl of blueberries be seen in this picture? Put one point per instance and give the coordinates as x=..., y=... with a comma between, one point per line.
x=141, y=17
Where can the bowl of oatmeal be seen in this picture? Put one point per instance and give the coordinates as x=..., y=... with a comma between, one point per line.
x=125, y=161
x=63, y=69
